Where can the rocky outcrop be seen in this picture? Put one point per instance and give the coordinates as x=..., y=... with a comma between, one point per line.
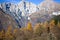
x=49, y=5
x=6, y=21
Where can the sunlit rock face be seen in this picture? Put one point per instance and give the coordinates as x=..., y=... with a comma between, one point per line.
x=0, y=5
x=24, y=9
x=6, y=20
x=38, y=17
x=20, y=11
x=46, y=8
x=27, y=7
x=49, y=5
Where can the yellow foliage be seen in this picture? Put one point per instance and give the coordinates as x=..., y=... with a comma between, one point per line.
x=2, y=34
x=8, y=33
x=23, y=29
x=45, y=24
x=52, y=23
x=9, y=27
x=15, y=30
x=37, y=25
x=38, y=29
x=29, y=26
x=26, y=32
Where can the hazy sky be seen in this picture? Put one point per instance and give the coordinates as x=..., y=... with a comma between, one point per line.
x=34, y=1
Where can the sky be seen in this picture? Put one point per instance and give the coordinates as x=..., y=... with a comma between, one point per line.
x=33, y=1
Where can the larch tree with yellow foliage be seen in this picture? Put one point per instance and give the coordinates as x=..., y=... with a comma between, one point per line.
x=8, y=34
x=52, y=23
x=29, y=26
x=45, y=24
x=2, y=35
x=38, y=29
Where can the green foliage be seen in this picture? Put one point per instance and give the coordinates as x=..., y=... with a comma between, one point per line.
x=57, y=19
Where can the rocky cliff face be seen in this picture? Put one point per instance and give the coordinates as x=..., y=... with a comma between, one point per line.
x=49, y=5
x=46, y=8
x=6, y=21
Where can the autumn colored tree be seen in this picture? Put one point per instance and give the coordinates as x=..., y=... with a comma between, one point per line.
x=52, y=23
x=8, y=34
x=15, y=30
x=2, y=35
x=38, y=29
x=45, y=24
x=29, y=26
x=17, y=34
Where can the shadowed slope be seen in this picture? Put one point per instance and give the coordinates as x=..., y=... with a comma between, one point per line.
x=6, y=21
